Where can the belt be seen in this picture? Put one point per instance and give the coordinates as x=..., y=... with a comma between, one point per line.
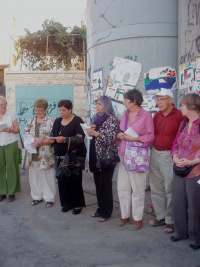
x=162, y=150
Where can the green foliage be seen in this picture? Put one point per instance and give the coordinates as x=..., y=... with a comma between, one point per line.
x=51, y=48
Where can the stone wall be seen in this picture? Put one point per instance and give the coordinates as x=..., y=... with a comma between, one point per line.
x=77, y=79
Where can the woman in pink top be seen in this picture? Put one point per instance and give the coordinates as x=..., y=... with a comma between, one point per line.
x=134, y=154
x=186, y=190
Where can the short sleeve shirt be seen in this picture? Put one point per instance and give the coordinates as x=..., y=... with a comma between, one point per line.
x=8, y=138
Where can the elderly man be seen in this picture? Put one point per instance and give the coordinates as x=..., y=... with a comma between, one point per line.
x=166, y=123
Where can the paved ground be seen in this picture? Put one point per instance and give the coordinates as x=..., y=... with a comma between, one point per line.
x=36, y=236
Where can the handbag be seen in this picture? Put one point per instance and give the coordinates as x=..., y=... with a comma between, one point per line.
x=136, y=157
x=23, y=155
x=71, y=166
x=106, y=160
x=183, y=171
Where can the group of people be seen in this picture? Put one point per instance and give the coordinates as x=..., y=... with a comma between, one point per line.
x=138, y=143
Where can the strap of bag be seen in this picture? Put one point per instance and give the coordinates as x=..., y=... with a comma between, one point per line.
x=126, y=122
x=21, y=140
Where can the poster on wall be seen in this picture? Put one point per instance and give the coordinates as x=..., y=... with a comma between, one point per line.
x=187, y=75
x=157, y=78
x=123, y=76
x=97, y=79
x=198, y=69
x=149, y=103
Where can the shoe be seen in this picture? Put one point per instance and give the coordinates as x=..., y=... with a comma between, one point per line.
x=122, y=221
x=156, y=222
x=95, y=215
x=193, y=247
x=174, y=239
x=137, y=225
x=102, y=219
x=169, y=228
x=49, y=204
x=11, y=198
x=2, y=197
x=76, y=211
x=35, y=202
x=65, y=209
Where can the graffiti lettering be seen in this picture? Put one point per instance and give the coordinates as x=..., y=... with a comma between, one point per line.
x=51, y=107
x=22, y=120
x=22, y=108
x=191, y=40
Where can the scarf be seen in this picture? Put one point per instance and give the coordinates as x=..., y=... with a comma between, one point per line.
x=100, y=119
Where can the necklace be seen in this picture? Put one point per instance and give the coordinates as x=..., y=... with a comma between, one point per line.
x=62, y=127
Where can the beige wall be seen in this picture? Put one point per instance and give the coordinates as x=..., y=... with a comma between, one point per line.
x=77, y=79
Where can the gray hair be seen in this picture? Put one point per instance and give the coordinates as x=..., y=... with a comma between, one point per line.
x=107, y=105
x=41, y=103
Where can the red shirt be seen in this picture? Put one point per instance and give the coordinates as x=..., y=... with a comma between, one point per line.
x=166, y=128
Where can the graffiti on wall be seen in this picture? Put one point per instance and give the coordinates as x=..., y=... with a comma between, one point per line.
x=192, y=32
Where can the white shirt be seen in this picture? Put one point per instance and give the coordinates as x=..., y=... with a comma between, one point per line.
x=8, y=138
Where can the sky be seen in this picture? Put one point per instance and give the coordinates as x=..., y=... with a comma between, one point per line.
x=31, y=14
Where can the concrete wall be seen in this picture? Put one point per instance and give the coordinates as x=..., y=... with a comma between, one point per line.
x=141, y=30
x=77, y=79
x=189, y=30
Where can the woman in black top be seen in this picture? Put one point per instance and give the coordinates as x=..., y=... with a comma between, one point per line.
x=68, y=125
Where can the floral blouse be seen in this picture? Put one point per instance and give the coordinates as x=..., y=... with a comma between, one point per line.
x=188, y=146
x=46, y=155
x=108, y=134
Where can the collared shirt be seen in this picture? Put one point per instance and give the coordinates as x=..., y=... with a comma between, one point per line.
x=142, y=125
x=187, y=145
x=8, y=138
x=166, y=128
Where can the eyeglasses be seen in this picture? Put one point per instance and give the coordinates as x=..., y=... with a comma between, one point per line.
x=38, y=110
x=162, y=99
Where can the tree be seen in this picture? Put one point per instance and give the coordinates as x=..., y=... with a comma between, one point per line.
x=51, y=48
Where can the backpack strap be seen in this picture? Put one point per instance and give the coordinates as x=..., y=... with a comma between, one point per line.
x=184, y=124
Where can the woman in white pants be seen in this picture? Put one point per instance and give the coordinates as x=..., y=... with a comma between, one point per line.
x=134, y=154
x=41, y=170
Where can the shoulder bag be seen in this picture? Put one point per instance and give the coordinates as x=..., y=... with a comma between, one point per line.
x=71, y=166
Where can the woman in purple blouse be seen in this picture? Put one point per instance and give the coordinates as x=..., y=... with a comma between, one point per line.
x=134, y=153
x=186, y=190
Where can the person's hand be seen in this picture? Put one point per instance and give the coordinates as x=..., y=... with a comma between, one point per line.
x=36, y=144
x=92, y=132
x=183, y=162
x=120, y=136
x=7, y=130
x=60, y=139
x=51, y=141
x=93, y=126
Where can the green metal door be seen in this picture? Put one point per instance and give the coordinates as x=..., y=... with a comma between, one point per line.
x=26, y=95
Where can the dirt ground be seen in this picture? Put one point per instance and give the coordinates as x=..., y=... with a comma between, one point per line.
x=37, y=236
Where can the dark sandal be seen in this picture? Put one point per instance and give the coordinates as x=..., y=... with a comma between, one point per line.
x=157, y=223
x=49, y=204
x=169, y=228
x=35, y=202
x=102, y=219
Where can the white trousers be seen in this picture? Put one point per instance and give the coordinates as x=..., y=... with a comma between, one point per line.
x=131, y=186
x=42, y=183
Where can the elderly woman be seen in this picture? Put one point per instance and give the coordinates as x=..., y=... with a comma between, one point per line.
x=186, y=189
x=41, y=169
x=104, y=129
x=68, y=131
x=137, y=133
x=9, y=156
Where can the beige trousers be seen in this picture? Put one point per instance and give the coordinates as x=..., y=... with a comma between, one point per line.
x=42, y=183
x=131, y=190
x=160, y=175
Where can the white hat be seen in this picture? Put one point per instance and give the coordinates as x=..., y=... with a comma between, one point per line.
x=165, y=92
